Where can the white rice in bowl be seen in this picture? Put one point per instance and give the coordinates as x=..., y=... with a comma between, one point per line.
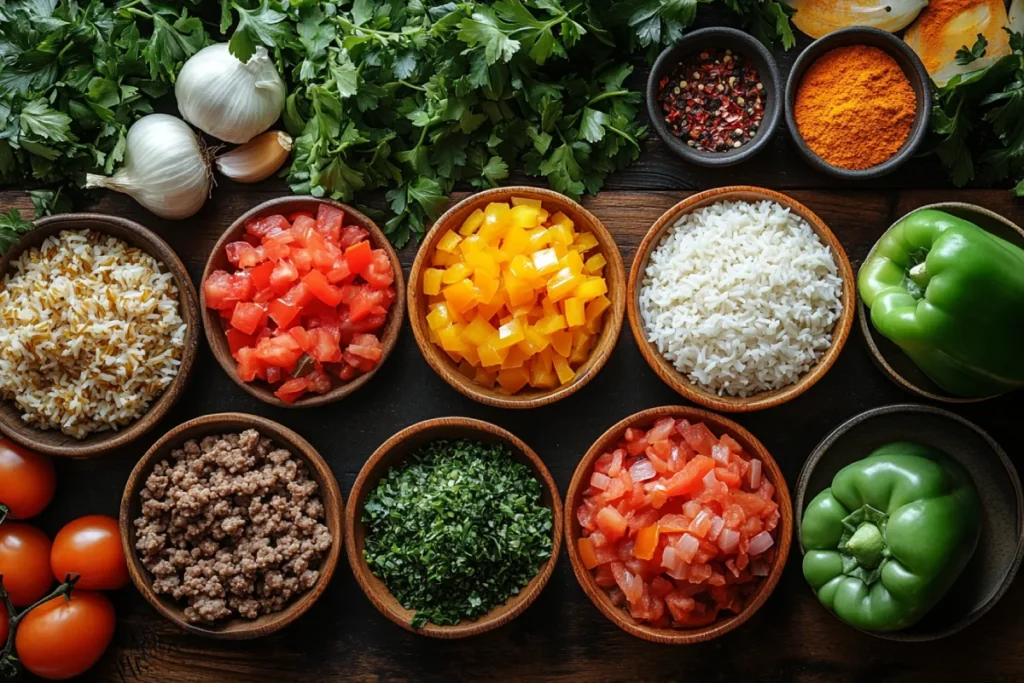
x=741, y=297
x=90, y=333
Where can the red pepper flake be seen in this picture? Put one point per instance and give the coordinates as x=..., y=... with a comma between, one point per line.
x=714, y=100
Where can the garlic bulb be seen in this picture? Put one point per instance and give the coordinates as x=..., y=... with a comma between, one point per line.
x=1016, y=16
x=257, y=159
x=817, y=18
x=227, y=99
x=166, y=168
x=947, y=25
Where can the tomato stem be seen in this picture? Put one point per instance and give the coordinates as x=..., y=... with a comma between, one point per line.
x=4, y=511
x=8, y=656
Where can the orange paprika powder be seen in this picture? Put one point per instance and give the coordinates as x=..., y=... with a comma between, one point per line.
x=855, y=107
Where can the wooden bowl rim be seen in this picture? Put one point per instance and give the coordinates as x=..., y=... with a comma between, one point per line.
x=615, y=276
x=818, y=454
x=617, y=615
x=224, y=423
x=868, y=330
x=140, y=237
x=766, y=399
x=373, y=587
x=215, y=331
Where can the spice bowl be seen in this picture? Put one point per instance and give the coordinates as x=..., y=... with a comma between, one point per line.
x=887, y=356
x=679, y=382
x=215, y=328
x=912, y=68
x=614, y=274
x=991, y=570
x=227, y=423
x=56, y=443
x=739, y=43
x=391, y=454
x=581, y=481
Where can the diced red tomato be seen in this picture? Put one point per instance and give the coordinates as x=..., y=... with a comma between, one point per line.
x=379, y=273
x=340, y=272
x=249, y=366
x=283, y=313
x=284, y=274
x=295, y=214
x=283, y=352
x=323, y=345
x=293, y=389
x=224, y=290
x=260, y=276
x=329, y=221
x=321, y=288
x=261, y=227
x=244, y=255
x=352, y=234
x=238, y=340
x=246, y=318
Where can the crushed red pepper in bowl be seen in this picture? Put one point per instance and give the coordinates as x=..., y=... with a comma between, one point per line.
x=714, y=100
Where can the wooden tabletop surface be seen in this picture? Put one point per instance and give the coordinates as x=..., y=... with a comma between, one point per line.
x=562, y=636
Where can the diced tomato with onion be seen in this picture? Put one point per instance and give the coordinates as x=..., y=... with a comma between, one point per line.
x=305, y=301
x=678, y=525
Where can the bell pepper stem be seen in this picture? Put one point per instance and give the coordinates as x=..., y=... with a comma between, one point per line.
x=867, y=546
x=920, y=276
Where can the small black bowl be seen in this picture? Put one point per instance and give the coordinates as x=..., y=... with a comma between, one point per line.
x=725, y=39
x=912, y=67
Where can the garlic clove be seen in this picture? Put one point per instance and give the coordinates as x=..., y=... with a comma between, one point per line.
x=257, y=159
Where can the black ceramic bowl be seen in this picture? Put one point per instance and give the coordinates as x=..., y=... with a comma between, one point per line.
x=727, y=39
x=992, y=568
x=912, y=67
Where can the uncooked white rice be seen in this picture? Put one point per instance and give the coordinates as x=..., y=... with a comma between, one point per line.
x=90, y=333
x=741, y=298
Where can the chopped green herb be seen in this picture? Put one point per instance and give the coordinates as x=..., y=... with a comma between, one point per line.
x=12, y=227
x=456, y=530
x=965, y=56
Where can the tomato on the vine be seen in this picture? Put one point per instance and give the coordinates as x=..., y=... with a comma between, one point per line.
x=27, y=480
x=65, y=637
x=25, y=563
x=90, y=547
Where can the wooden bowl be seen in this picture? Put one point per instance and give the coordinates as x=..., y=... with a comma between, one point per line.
x=54, y=442
x=614, y=274
x=215, y=329
x=391, y=454
x=889, y=357
x=679, y=382
x=581, y=481
x=228, y=423
x=991, y=571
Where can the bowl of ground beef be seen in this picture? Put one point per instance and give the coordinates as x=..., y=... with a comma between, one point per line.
x=231, y=524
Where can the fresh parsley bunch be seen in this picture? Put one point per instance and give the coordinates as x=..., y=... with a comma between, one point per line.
x=74, y=76
x=456, y=530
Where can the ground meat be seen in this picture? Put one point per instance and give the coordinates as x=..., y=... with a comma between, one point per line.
x=233, y=526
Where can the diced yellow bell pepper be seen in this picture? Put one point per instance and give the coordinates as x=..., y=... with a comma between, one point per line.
x=479, y=331
x=461, y=295
x=595, y=326
x=591, y=288
x=432, y=281
x=563, y=283
x=455, y=272
x=539, y=239
x=515, y=242
x=471, y=244
x=561, y=235
x=448, y=242
x=490, y=356
x=495, y=221
x=518, y=290
x=451, y=338
x=509, y=334
x=533, y=342
x=560, y=218
x=573, y=261
x=439, y=316
x=487, y=286
x=490, y=309
x=482, y=260
x=524, y=216
x=516, y=358
x=582, y=344
x=456, y=357
x=560, y=250
x=472, y=223
x=470, y=354
x=523, y=201
x=485, y=377
x=549, y=307
x=585, y=241
x=434, y=339
x=595, y=264
x=545, y=261
x=551, y=324
x=564, y=371
x=442, y=259
x=575, y=315
x=466, y=369
x=522, y=267
x=513, y=379
x=561, y=342
x=542, y=372
x=596, y=307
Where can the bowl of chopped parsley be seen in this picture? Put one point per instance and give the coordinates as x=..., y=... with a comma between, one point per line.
x=452, y=527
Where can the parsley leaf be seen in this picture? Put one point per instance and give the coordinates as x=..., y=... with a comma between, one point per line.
x=260, y=26
x=965, y=56
x=12, y=227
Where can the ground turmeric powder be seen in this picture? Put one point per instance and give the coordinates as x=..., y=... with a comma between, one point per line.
x=855, y=107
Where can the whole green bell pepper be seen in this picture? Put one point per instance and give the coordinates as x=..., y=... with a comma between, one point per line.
x=891, y=535
x=951, y=295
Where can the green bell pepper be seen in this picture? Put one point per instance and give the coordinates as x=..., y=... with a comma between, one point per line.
x=891, y=535
x=951, y=295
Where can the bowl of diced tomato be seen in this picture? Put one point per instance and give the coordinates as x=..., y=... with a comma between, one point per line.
x=678, y=524
x=300, y=302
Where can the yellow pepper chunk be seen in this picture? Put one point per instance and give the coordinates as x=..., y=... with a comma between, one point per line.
x=561, y=342
x=448, y=242
x=596, y=307
x=432, y=281
x=485, y=378
x=486, y=285
x=575, y=311
x=495, y=221
x=509, y=334
x=515, y=242
x=545, y=261
x=455, y=272
x=551, y=324
x=513, y=379
x=522, y=267
x=490, y=356
x=482, y=261
x=563, y=283
x=472, y=223
x=442, y=259
x=573, y=261
x=538, y=240
x=523, y=201
x=524, y=216
x=533, y=342
x=438, y=316
x=585, y=242
x=519, y=291
x=591, y=288
x=516, y=358
x=451, y=338
x=542, y=372
x=461, y=295
x=563, y=370
x=466, y=369
x=595, y=264
x=479, y=332
x=471, y=244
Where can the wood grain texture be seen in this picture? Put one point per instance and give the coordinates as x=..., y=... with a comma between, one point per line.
x=667, y=371
x=581, y=481
x=55, y=442
x=562, y=637
x=218, y=260
x=215, y=425
x=392, y=453
x=614, y=274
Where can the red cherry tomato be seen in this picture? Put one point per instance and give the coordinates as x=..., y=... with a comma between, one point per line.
x=25, y=563
x=27, y=480
x=65, y=637
x=91, y=547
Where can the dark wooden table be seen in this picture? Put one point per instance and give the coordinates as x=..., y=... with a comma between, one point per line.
x=562, y=636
